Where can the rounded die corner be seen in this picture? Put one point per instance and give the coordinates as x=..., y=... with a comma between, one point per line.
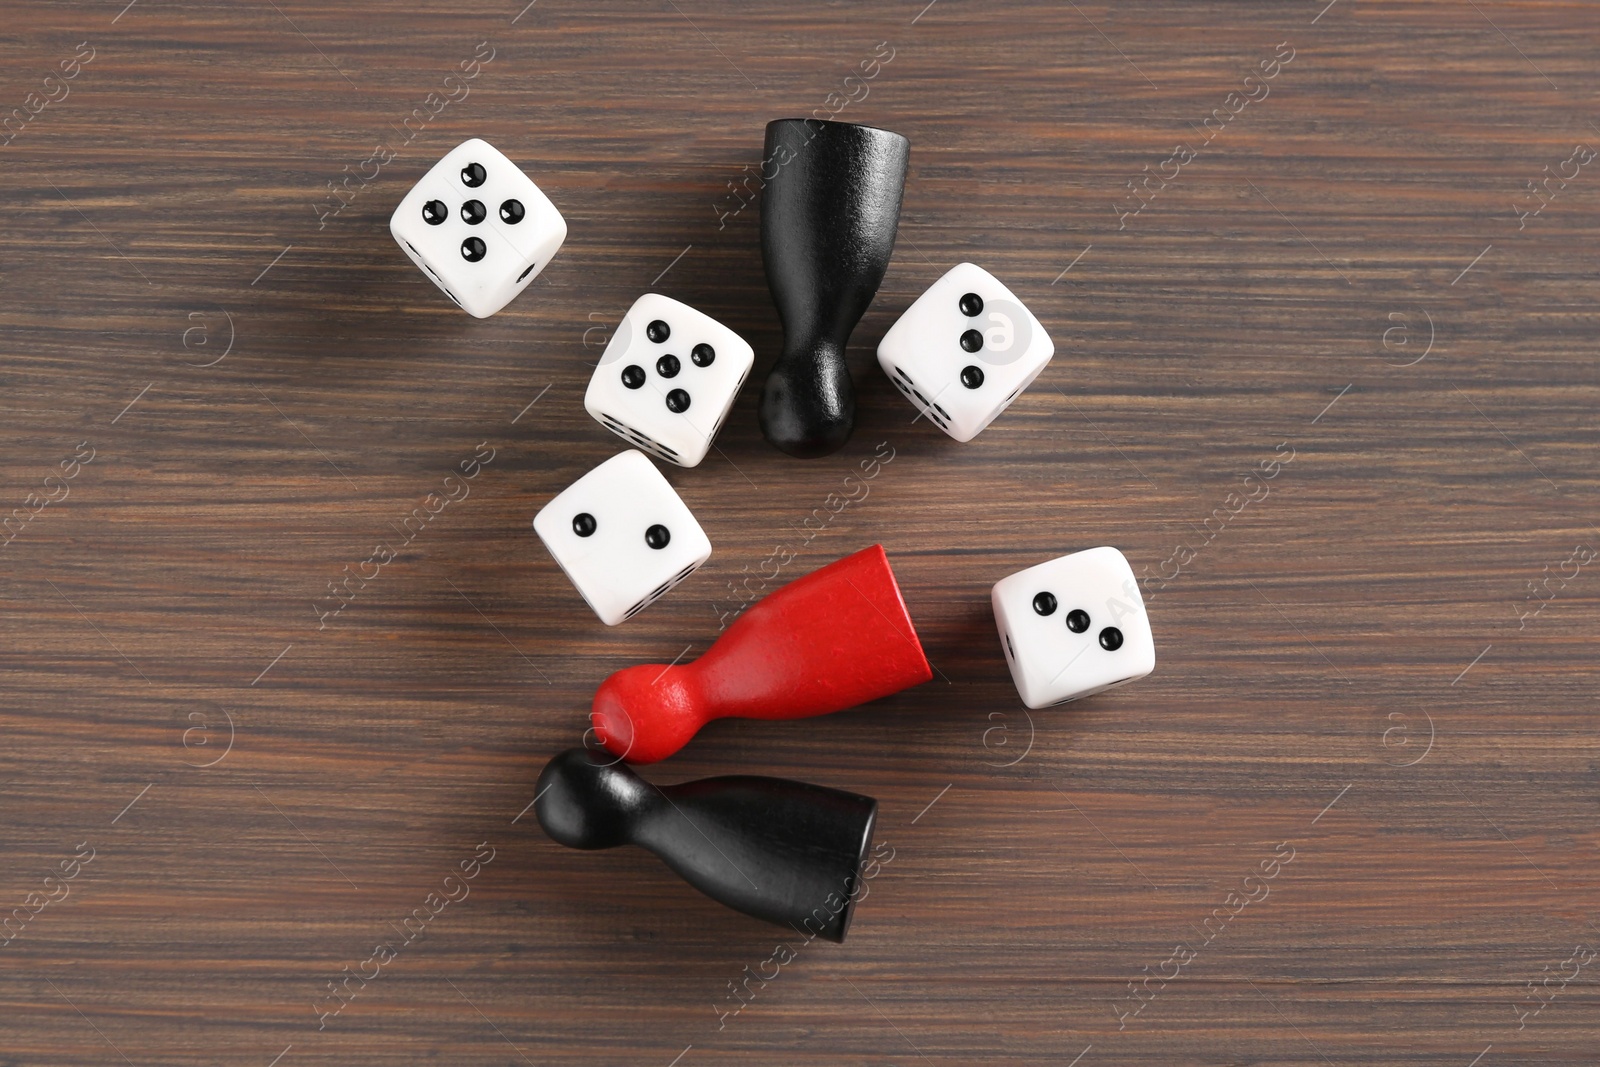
x=478, y=144
x=967, y=267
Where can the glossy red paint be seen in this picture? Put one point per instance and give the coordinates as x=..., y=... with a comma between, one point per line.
x=836, y=638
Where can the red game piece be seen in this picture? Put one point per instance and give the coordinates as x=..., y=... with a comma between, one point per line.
x=836, y=638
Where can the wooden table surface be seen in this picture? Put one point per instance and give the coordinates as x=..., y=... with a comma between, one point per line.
x=1351, y=817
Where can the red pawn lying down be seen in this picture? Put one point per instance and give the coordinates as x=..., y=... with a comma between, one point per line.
x=836, y=638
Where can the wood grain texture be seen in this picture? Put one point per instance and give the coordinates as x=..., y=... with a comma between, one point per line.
x=1351, y=665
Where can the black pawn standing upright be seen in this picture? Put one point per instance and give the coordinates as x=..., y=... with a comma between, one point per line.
x=788, y=852
x=828, y=220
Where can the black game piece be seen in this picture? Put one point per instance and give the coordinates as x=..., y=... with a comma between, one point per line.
x=784, y=851
x=828, y=219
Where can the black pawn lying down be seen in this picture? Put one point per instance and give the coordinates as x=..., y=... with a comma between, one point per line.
x=784, y=851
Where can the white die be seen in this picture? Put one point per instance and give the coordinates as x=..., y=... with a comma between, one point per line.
x=622, y=535
x=1073, y=626
x=669, y=396
x=965, y=350
x=434, y=225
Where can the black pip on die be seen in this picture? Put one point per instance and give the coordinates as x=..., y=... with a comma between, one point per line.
x=478, y=227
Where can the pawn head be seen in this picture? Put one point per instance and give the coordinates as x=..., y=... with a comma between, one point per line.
x=647, y=712
x=808, y=405
x=588, y=800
